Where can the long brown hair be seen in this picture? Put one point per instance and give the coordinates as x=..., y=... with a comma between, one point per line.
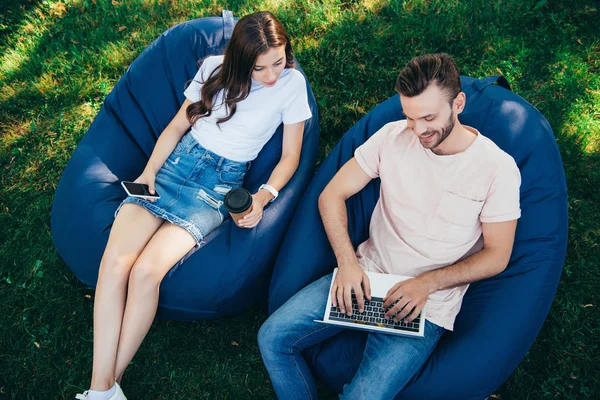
x=252, y=36
x=419, y=72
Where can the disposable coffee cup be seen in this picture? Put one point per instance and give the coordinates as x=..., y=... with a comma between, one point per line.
x=239, y=203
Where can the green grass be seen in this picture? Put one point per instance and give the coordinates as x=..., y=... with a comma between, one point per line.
x=58, y=60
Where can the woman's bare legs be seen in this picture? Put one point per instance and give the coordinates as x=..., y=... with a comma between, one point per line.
x=132, y=229
x=167, y=246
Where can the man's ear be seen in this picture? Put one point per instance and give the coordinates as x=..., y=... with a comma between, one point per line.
x=460, y=102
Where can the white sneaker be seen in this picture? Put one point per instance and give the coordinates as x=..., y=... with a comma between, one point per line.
x=118, y=395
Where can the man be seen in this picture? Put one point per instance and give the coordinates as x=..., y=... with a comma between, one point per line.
x=446, y=216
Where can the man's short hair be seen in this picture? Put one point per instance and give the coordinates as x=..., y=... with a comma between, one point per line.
x=421, y=71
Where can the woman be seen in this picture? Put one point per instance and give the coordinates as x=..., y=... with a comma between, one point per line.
x=233, y=107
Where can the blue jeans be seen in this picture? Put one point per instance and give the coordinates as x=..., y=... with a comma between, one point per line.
x=388, y=363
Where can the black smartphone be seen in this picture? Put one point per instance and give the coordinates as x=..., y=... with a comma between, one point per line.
x=139, y=190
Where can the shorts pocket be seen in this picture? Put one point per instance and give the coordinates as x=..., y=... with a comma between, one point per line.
x=459, y=209
x=174, y=161
x=215, y=202
x=233, y=177
x=180, y=148
x=185, y=144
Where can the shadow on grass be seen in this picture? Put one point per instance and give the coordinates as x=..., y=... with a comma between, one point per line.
x=12, y=15
x=352, y=67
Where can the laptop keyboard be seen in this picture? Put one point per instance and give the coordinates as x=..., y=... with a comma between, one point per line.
x=373, y=316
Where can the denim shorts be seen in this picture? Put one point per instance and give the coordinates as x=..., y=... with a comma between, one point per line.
x=192, y=184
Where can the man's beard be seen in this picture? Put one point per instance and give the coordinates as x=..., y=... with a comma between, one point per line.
x=443, y=133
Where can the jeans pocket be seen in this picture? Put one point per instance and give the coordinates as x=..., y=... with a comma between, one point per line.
x=174, y=161
x=233, y=177
x=179, y=149
x=215, y=201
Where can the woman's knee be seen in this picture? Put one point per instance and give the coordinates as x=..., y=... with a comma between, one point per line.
x=115, y=267
x=144, y=275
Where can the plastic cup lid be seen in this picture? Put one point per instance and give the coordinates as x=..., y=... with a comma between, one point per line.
x=238, y=200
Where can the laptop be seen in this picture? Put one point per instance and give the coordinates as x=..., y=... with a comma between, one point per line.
x=372, y=319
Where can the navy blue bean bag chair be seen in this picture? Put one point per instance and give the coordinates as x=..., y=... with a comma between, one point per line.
x=231, y=271
x=500, y=316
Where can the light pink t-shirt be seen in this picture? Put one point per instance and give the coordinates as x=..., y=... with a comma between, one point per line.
x=431, y=207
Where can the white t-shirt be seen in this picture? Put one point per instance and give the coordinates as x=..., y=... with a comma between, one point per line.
x=431, y=207
x=257, y=117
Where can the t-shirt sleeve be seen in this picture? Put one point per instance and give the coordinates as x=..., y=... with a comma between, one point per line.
x=369, y=154
x=193, y=90
x=502, y=203
x=297, y=109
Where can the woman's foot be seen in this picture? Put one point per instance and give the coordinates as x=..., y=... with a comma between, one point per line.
x=114, y=393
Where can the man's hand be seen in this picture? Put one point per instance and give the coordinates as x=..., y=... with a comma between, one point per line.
x=348, y=278
x=411, y=295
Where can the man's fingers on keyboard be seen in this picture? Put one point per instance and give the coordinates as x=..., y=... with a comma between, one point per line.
x=411, y=317
x=360, y=300
x=391, y=300
x=404, y=312
x=390, y=292
x=333, y=295
x=340, y=298
x=395, y=308
x=348, y=300
x=367, y=287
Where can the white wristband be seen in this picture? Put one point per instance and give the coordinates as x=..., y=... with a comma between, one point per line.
x=271, y=190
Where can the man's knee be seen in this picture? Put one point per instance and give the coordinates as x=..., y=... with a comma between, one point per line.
x=270, y=334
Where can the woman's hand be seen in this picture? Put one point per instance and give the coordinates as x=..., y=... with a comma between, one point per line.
x=259, y=201
x=148, y=177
